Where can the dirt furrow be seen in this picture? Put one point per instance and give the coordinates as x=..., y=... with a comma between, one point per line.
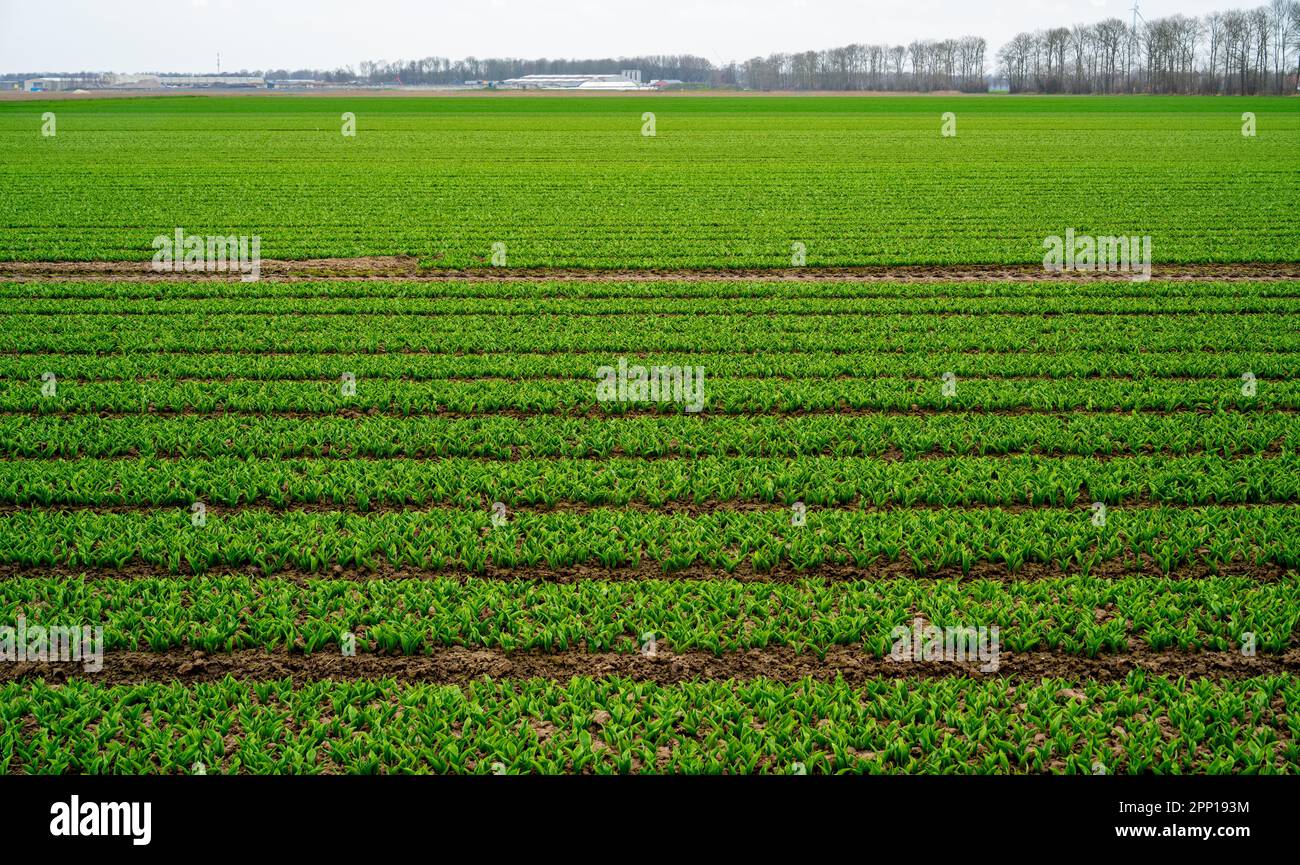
x=878, y=570
x=457, y=665
x=592, y=412
x=618, y=455
x=576, y=507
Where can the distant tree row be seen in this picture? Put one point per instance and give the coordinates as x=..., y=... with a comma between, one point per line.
x=442, y=70
x=1255, y=51
x=950, y=64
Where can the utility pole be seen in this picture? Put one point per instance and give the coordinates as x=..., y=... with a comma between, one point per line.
x=218, y=62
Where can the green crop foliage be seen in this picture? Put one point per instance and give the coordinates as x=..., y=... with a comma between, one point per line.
x=726, y=182
x=635, y=333
x=1185, y=295
x=1166, y=538
x=726, y=396
x=1104, y=471
x=1028, y=481
x=415, y=616
x=620, y=726
x=953, y=433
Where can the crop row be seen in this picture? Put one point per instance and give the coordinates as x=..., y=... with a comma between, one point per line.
x=467, y=539
x=645, y=333
x=1182, y=291
x=525, y=365
x=952, y=433
x=364, y=484
x=1077, y=616
x=859, y=183
x=598, y=308
x=622, y=726
x=703, y=393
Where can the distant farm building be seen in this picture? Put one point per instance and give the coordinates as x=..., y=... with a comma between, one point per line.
x=37, y=85
x=212, y=81
x=156, y=82
x=295, y=83
x=576, y=82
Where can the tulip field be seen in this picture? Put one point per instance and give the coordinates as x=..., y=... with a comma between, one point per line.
x=467, y=519
x=723, y=182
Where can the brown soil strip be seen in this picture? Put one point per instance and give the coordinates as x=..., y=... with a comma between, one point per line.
x=676, y=507
x=671, y=314
x=381, y=351
x=457, y=665
x=593, y=413
x=517, y=453
x=585, y=377
x=1285, y=290
x=879, y=570
x=408, y=268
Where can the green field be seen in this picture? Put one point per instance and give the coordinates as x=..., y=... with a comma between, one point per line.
x=472, y=561
x=710, y=727
x=725, y=182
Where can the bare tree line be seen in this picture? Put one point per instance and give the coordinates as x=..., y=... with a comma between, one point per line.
x=441, y=70
x=949, y=64
x=1234, y=52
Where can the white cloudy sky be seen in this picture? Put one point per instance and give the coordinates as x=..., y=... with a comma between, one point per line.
x=185, y=35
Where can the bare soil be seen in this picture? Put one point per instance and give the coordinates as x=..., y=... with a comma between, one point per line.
x=878, y=570
x=577, y=507
x=458, y=665
x=638, y=410
x=329, y=452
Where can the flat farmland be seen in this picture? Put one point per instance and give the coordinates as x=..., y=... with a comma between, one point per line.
x=429, y=523
x=723, y=183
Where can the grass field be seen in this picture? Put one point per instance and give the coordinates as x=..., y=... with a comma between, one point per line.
x=391, y=525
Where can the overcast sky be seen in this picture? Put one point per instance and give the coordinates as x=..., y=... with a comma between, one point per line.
x=185, y=35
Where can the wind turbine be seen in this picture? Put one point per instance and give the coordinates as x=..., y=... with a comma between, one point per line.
x=1133, y=34
x=1137, y=13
